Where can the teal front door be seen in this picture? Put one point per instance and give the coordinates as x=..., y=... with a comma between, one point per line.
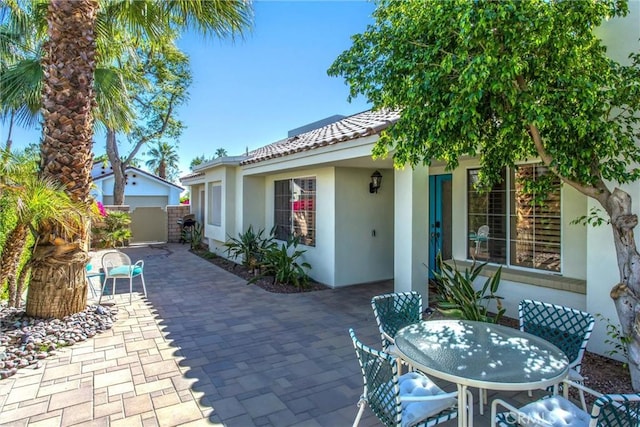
x=439, y=219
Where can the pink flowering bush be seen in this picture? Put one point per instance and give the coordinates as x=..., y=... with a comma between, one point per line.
x=101, y=210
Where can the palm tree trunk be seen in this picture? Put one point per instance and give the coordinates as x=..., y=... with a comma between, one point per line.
x=10, y=259
x=58, y=283
x=162, y=170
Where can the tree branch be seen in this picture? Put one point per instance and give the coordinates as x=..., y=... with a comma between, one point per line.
x=157, y=133
x=599, y=192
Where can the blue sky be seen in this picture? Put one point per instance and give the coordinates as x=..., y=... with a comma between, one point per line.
x=251, y=91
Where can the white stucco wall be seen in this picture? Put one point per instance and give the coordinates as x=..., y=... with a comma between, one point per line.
x=363, y=227
x=322, y=256
x=225, y=177
x=411, y=230
x=251, y=208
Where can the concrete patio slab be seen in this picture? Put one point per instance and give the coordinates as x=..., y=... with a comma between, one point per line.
x=206, y=349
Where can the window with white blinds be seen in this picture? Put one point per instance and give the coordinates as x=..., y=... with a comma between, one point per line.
x=215, y=205
x=295, y=209
x=524, y=228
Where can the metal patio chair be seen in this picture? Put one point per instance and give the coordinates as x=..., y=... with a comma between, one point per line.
x=567, y=328
x=405, y=400
x=608, y=410
x=482, y=236
x=393, y=312
x=117, y=265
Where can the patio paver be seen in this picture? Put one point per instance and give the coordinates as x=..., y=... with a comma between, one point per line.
x=206, y=349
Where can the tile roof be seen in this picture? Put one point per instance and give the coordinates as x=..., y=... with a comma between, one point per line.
x=191, y=175
x=137, y=170
x=352, y=127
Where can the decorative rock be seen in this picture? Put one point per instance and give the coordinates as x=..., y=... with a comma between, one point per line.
x=26, y=341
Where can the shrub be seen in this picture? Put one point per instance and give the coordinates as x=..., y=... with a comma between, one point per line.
x=113, y=230
x=283, y=263
x=250, y=247
x=457, y=297
x=197, y=232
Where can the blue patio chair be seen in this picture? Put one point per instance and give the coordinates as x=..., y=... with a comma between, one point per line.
x=405, y=400
x=566, y=328
x=393, y=312
x=117, y=265
x=608, y=410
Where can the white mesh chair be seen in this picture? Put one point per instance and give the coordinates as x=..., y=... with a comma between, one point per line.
x=608, y=410
x=397, y=400
x=117, y=265
x=566, y=328
x=393, y=312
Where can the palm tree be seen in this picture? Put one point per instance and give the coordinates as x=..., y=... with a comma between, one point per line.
x=221, y=152
x=58, y=285
x=164, y=160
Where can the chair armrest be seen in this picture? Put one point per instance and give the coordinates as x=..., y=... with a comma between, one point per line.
x=619, y=402
x=139, y=263
x=439, y=396
x=388, y=337
x=581, y=387
x=512, y=409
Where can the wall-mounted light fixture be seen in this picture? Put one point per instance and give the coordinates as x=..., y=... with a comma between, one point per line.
x=376, y=180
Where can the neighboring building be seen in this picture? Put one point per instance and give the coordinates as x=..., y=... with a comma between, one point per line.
x=317, y=184
x=143, y=189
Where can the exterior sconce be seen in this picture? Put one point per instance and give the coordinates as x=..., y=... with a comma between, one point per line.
x=376, y=180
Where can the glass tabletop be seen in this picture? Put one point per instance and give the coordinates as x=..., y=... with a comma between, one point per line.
x=482, y=355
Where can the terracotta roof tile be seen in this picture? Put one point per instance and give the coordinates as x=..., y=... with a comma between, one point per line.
x=191, y=175
x=353, y=127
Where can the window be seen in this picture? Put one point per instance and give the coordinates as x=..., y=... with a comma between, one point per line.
x=215, y=205
x=523, y=229
x=295, y=210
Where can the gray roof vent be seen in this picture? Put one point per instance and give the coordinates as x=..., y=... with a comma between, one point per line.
x=315, y=125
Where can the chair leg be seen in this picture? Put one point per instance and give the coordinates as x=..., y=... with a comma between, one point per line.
x=144, y=288
x=130, y=288
x=482, y=400
x=361, y=405
x=104, y=285
x=113, y=285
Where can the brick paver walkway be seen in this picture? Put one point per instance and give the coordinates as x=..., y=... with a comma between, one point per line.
x=205, y=348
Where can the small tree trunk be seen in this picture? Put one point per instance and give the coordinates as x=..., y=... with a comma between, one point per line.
x=626, y=294
x=58, y=286
x=22, y=280
x=10, y=259
x=119, y=180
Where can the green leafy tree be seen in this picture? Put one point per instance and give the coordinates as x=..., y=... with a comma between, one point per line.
x=160, y=86
x=163, y=160
x=508, y=81
x=221, y=152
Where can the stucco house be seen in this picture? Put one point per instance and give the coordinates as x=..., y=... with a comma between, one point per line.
x=142, y=189
x=318, y=183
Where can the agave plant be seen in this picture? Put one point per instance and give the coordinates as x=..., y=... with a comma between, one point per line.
x=457, y=297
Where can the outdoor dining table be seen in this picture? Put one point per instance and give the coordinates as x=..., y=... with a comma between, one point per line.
x=482, y=355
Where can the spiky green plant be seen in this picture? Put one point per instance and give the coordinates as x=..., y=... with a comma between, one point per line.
x=457, y=296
